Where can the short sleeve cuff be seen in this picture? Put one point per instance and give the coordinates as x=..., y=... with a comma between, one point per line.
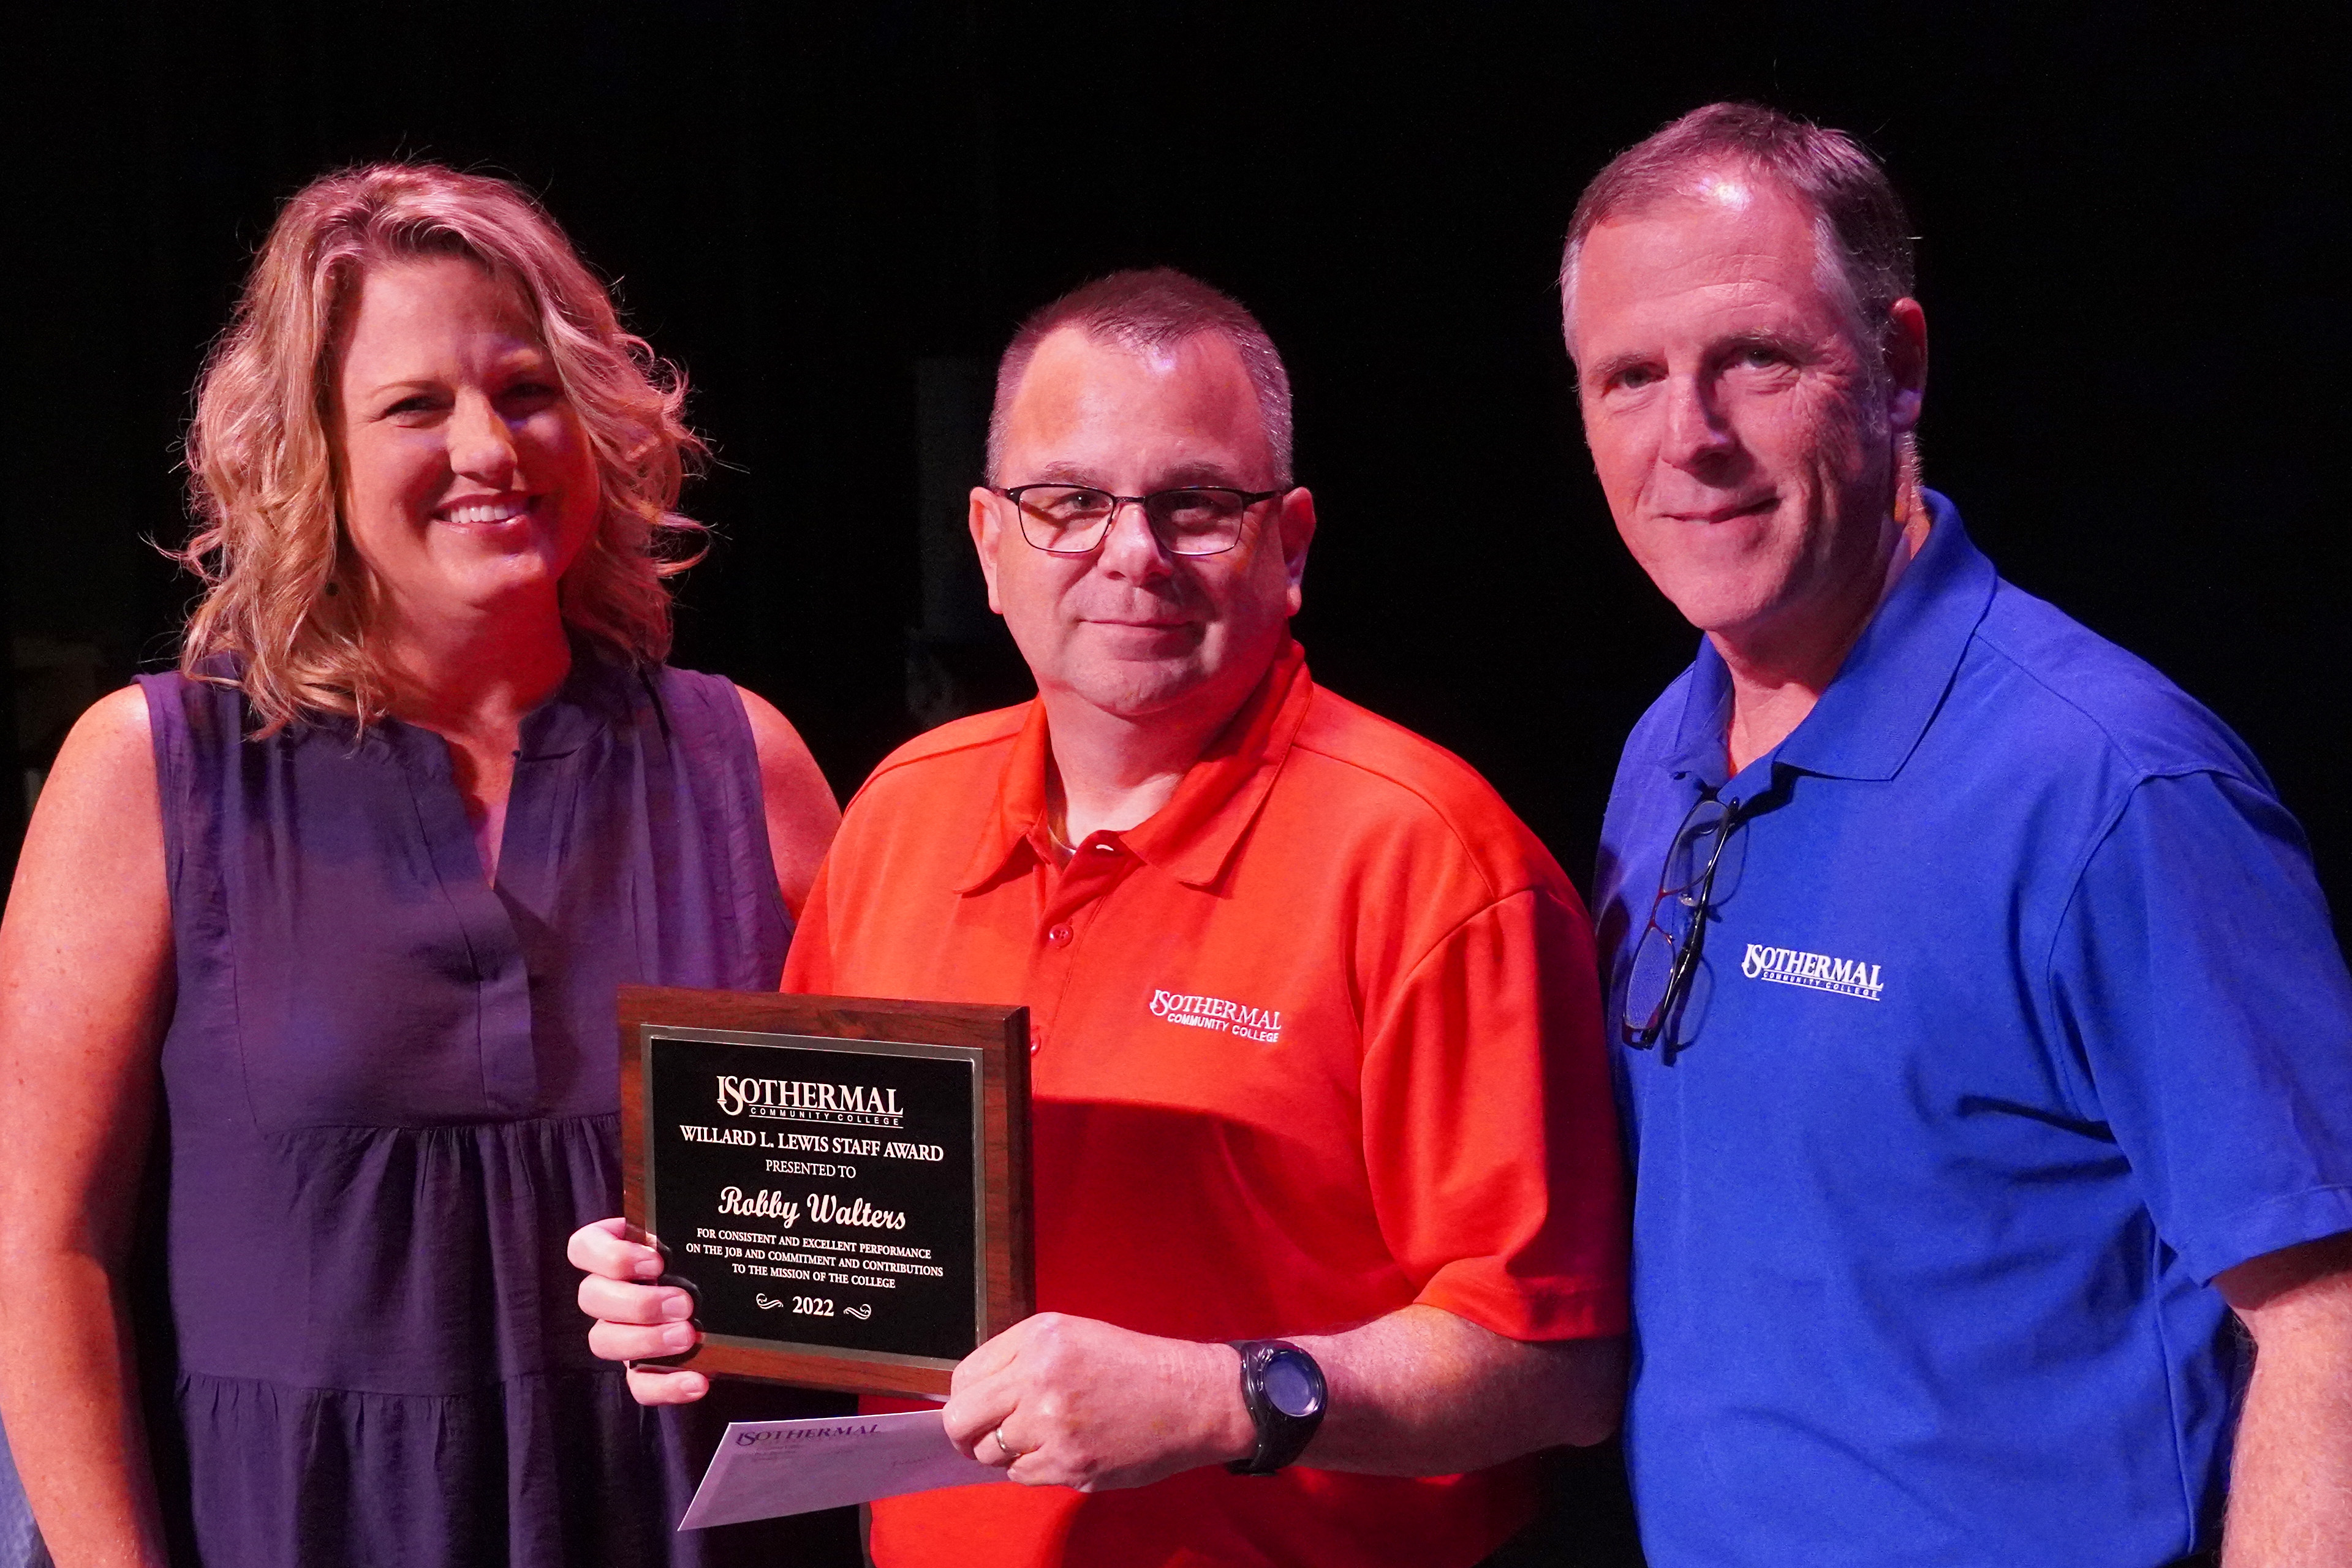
x=1477, y=1290
x=2269, y=1226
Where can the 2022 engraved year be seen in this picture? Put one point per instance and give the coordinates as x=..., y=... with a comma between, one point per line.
x=812, y=1307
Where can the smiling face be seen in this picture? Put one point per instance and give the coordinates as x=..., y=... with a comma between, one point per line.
x=1743, y=434
x=1131, y=629
x=468, y=482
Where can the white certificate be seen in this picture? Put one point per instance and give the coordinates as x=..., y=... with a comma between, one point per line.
x=764, y=1470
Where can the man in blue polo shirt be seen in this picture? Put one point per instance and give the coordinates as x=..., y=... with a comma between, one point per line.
x=1982, y=1040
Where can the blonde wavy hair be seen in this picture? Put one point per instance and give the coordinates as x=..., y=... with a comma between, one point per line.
x=284, y=591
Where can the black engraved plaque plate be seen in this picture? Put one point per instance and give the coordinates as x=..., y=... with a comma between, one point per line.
x=819, y=1192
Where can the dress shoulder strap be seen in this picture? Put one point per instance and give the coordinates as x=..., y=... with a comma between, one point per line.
x=710, y=740
x=196, y=726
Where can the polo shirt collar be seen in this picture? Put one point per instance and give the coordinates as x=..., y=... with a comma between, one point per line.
x=1869, y=721
x=1193, y=836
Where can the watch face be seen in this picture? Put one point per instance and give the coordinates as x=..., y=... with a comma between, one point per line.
x=1290, y=1386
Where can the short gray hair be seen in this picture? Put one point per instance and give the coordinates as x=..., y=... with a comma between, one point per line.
x=1148, y=308
x=1866, y=237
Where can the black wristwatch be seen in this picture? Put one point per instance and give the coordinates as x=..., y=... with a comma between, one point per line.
x=1284, y=1390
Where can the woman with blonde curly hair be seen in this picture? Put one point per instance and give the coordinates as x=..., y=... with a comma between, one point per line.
x=331, y=917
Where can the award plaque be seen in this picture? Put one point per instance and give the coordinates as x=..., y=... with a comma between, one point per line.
x=843, y=1182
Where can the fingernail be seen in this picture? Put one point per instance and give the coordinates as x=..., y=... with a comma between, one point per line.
x=679, y=1305
x=678, y=1336
x=649, y=1266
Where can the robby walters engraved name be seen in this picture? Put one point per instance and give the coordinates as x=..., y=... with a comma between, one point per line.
x=823, y=1208
x=796, y=1101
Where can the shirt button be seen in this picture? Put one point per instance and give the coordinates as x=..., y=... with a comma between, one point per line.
x=1059, y=936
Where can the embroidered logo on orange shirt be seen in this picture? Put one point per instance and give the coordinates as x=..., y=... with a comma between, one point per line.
x=1261, y=1024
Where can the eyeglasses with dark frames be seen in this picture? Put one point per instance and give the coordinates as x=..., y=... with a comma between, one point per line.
x=1075, y=519
x=1664, y=962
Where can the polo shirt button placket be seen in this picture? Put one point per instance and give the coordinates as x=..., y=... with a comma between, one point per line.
x=1097, y=867
x=1056, y=943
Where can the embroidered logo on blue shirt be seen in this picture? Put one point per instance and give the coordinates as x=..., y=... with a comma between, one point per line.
x=1787, y=966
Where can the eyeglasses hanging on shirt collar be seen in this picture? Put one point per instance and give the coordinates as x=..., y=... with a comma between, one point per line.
x=1665, y=962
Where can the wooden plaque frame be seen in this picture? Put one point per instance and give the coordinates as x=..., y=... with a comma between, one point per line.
x=996, y=1039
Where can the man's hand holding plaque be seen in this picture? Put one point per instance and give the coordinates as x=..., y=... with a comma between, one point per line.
x=638, y=1319
x=1068, y=1401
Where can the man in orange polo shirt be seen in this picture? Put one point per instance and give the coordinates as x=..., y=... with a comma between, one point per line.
x=1317, y=1045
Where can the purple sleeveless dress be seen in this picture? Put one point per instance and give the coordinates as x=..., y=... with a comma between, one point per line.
x=392, y=1095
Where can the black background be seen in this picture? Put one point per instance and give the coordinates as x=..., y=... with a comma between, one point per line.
x=2133, y=232
x=920, y=1316
x=2133, y=224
